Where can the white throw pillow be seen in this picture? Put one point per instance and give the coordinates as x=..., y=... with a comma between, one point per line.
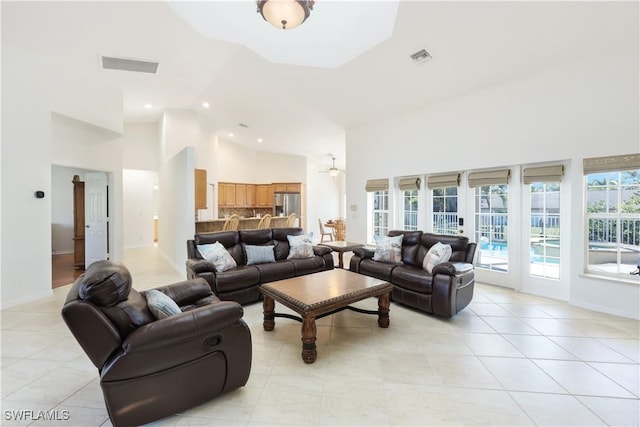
x=218, y=255
x=160, y=305
x=388, y=249
x=301, y=246
x=437, y=254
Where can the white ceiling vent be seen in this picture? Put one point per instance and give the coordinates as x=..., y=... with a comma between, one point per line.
x=127, y=64
x=421, y=56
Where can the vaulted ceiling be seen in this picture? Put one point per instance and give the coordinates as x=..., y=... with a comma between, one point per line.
x=299, y=90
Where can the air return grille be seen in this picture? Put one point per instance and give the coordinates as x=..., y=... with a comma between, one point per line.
x=127, y=64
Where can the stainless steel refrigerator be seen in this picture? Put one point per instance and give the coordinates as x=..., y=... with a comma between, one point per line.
x=285, y=204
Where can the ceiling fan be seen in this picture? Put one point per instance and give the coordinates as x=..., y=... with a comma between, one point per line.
x=333, y=170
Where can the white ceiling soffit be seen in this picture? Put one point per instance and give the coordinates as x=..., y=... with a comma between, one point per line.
x=335, y=32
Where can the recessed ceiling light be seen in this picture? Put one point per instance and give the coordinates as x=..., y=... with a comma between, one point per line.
x=148, y=106
x=260, y=140
x=205, y=105
x=231, y=135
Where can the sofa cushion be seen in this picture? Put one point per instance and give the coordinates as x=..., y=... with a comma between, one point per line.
x=300, y=246
x=259, y=254
x=129, y=314
x=388, y=249
x=105, y=283
x=218, y=255
x=437, y=254
x=412, y=278
x=307, y=265
x=410, y=246
x=160, y=304
x=243, y=276
x=379, y=270
x=276, y=271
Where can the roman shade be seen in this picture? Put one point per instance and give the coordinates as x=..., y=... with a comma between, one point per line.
x=412, y=183
x=443, y=181
x=377, y=185
x=543, y=174
x=494, y=177
x=611, y=163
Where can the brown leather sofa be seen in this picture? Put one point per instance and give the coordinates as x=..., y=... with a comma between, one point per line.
x=445, y=291
x=150, y=368
x=241, y=283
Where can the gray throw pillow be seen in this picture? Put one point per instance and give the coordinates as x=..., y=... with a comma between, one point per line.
x=259, y=254
x=160, y=304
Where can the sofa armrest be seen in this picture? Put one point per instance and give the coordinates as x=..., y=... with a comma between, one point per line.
x=180, y=328
x=200, y=266
x=188, y=291
x=364, y=252
x=321, y=250
x=452, y=268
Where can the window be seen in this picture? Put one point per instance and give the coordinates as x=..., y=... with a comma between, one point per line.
x=409, y=188
x=445, y=210
x=378, y=200
x=444, y=202
x=491, y=209
x=410, y=204
x=380, y=213
x=544, y=258
x=491, y=226
x=613, y=215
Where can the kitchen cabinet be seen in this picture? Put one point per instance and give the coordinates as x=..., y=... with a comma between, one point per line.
x=251, y=195
x=241, y=195
x=262, y=199
x=229, y=194
x=201, y=188
x=289, y=187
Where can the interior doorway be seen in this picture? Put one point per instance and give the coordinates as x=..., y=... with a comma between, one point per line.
x=64, y=265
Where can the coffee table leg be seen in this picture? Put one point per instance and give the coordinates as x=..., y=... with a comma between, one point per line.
x=340, y=262
x=309, y=352
x=383, y=310
x=268, y=310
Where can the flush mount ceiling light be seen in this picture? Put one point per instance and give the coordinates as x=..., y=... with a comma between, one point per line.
x=285, y=14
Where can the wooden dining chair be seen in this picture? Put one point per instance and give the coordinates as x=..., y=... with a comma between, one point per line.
x=265, y=222
x=291, y=219
x=231, y=223
x=323, y=232
x=340, y=228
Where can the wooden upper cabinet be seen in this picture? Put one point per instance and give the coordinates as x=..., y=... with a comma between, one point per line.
x=270, y=191
x=241, y=195
x=201, y=188
x=221, y=198
x=251, y=195
x=229, y=194
x=261, y=195
x=289, y=187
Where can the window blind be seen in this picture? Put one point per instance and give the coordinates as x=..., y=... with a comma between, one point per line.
x=376, y=185
x=611, y=163
x=443, y=181
x=494, y=177
x=412, y=183
x=543, y=174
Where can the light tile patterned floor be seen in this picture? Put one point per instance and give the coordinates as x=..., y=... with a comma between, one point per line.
x=507, y=359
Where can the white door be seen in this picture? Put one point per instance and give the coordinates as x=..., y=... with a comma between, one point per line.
x=95, y=217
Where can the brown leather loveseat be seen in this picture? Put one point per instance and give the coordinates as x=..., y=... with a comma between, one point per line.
x=241, y=283
x=149, y=368
x=445, y=291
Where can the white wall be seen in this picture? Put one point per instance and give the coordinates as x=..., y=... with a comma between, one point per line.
x=141, y=146
x=571, y=111
x=138, y=207
x=29, y=97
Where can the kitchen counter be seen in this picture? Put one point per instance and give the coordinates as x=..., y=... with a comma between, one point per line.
x=212, y=225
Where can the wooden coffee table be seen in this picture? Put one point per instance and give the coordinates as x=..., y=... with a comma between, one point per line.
x=317, y=295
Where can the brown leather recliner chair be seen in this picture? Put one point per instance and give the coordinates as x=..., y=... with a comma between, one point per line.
x=150, y=368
